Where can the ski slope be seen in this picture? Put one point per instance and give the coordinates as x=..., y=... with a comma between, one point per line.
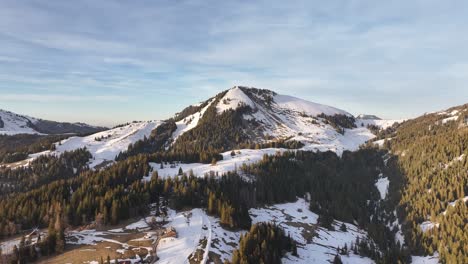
x=110, y=142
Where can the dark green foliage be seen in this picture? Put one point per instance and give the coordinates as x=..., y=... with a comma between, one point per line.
x=339, y=121
x=54, y=242
x=228, y=197
x=264, y=243
x=43, y=170
x=81, y=198
x=281, y=143
x=343, y=228
x=117, y=193
x=191, y=110
x=52, y=127
x=259, y=96
x=158, y=139
x=17, y=147
x=339, y=188
x=433, y=155
x=186, y=157
x=215, y=132
x=337, y=259
x=329, y=179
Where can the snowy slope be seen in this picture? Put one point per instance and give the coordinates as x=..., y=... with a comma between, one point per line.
x=229, y=163
x=189, y=122
x=12, y=124
x=382, y=123
x=315, y=244
x=233, y=99
x=15, y=124
x=111, y=141
x=302, y=106
x=236, y=96
x=190, y=231
x=322, y=247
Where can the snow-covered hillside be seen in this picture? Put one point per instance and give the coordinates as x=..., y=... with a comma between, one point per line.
x=273, y=116
x=236, y=96
x=229, y=163
x=282, y=116
x=104, y=146
x=189, y=122
x=382, y=123
x=11, y=123
x=315, y=244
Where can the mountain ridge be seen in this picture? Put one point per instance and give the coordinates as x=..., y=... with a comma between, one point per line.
x=12, y=123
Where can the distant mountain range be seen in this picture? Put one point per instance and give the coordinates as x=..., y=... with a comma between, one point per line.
x=12, y=124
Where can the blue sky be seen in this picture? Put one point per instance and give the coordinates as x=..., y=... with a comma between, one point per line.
x=107, y=62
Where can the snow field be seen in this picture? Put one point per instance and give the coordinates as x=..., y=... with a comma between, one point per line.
x=229, y=163
x=296, y=219
x=109, y=144
x=190, y=232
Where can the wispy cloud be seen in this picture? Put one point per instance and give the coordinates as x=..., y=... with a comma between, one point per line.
x=362, y=56
x=45, y=98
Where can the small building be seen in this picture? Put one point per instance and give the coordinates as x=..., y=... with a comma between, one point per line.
x=170, y=232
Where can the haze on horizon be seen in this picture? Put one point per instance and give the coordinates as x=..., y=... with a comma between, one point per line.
x=108, y=62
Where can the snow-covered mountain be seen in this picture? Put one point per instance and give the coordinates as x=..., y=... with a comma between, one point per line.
x=105, y=145
x=12, y=124
x=267, y=116
x=270, y=116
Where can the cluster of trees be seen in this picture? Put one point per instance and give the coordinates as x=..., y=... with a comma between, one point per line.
x=101, y=138
x=433, y=155
x=280, y=143
x=338, y=188
x=157, y=141
x=264, y=243
x=228, y=196
x=43, y=170
x=215, y=132
x=160, y=138
x=53, y=242
x=17, y=147
x=192, y=109
x=116, y=192
x=186, y=157
x=361, y=247
x=339, y=121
